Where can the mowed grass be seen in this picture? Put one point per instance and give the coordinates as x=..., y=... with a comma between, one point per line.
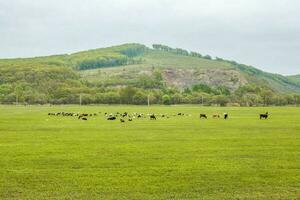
x=49, y=157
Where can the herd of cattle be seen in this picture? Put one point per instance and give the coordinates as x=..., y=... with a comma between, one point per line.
x=123, y=117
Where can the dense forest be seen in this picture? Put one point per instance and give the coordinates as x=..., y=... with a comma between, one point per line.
x=60, y=80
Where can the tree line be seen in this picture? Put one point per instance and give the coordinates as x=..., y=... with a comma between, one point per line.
x=62, y=85
x=180, y=51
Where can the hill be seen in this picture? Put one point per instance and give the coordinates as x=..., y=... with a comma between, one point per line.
x=107, y=75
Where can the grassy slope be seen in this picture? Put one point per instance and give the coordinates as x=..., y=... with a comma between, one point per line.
x=70, y=60
x=178, y=158
x=151, y=60
x=166, y=60
x=295, y=78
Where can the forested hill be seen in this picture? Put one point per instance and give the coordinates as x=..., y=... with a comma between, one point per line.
x=129, y=73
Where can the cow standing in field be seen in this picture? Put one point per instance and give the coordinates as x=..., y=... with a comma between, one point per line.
x=203, y=116
x=226, y=116
x=264, y=116
x=216, y=116
x=111, y=118
x=152, y=117
x=83, y=115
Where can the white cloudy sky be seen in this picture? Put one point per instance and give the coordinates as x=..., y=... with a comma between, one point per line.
x=263, y=33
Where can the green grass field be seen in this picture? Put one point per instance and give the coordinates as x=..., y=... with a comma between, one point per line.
x=50, y=157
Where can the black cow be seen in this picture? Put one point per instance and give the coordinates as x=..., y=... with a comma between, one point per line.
x=152, y=117
x=85, y=119
x=264, y=116
x=203, y=116
x=122, y=120
x=111, y=118
x=83, y=115
x=226, y=115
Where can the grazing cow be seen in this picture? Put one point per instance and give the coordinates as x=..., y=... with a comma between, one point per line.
x=264, y=116
x=83, y=115
x=130, y=120
x=226, y=115
x=122, y=120
x=216, y=116
x=152, y=117
x=85, y=119
x=111, y=118
x=203, y=116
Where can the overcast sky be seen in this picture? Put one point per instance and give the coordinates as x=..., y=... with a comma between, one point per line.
x=262, y=33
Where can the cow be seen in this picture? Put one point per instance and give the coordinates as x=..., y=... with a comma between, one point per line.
x=264, y=116
x=152, y=117
x=216, y=116
x=83, y=115
x=203, y=116
x=122, y=120
x=111, y=118
x=84, y=118
x=226, y=115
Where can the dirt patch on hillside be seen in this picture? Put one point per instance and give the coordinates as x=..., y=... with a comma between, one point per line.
x=183, y=78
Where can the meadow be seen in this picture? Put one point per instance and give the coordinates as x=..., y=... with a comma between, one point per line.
x=183, y=157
